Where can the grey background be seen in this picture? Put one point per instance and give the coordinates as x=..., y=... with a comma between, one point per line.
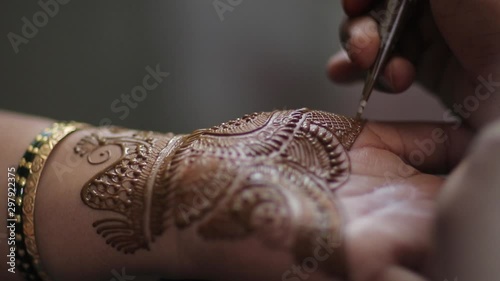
x=263, y=55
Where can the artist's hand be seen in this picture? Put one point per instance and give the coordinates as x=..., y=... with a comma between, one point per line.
x=451, y=48
x=468, y=231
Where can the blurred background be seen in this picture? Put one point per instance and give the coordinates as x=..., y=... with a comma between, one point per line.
x=224, y=58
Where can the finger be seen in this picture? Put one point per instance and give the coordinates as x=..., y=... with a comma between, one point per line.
x=361, y=40
x=398, y=76
x=341, y=69
x=402, y=233
x=430, y=147
x=356, y=7
x=430, y=75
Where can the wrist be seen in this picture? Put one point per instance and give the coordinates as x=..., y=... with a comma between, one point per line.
x=93, y=207
x=18, y=131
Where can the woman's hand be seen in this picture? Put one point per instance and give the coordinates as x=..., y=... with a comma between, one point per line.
x=451, y=47
x=288, y=195
x=255, y=199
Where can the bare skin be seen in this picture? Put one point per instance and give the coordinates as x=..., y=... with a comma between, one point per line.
x=451, y=49
x=467, y=228
x=388, y=207
x=397, y=216
x=385, y=199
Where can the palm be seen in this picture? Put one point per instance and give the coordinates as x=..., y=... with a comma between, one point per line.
x=389, y=207
x=281, y=179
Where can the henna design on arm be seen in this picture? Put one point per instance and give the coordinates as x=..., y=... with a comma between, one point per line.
x=125, y=186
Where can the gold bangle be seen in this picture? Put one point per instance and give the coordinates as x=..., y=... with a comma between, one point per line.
x=27, y=179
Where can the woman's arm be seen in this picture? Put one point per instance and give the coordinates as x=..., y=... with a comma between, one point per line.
x=68, y=244
x=17, y=132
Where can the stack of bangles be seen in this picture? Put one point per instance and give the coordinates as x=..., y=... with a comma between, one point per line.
x=27, y=178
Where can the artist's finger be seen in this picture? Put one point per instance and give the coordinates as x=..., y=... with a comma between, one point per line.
x=361, y=40
x=341, y=69
x=430, y=147
x=397, y=77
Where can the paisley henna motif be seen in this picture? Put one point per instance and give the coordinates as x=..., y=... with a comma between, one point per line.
x=270, y=175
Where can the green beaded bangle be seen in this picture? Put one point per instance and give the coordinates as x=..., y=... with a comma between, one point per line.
x=27, y=177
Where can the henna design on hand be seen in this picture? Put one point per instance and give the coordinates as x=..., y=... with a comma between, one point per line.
x=267, y=174
x=270, y=175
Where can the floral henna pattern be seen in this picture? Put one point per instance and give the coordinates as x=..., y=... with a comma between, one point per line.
x=270, y=175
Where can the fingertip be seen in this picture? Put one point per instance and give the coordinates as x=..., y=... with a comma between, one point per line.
x=399, y=74
x=341, y=69
x=361, y=40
